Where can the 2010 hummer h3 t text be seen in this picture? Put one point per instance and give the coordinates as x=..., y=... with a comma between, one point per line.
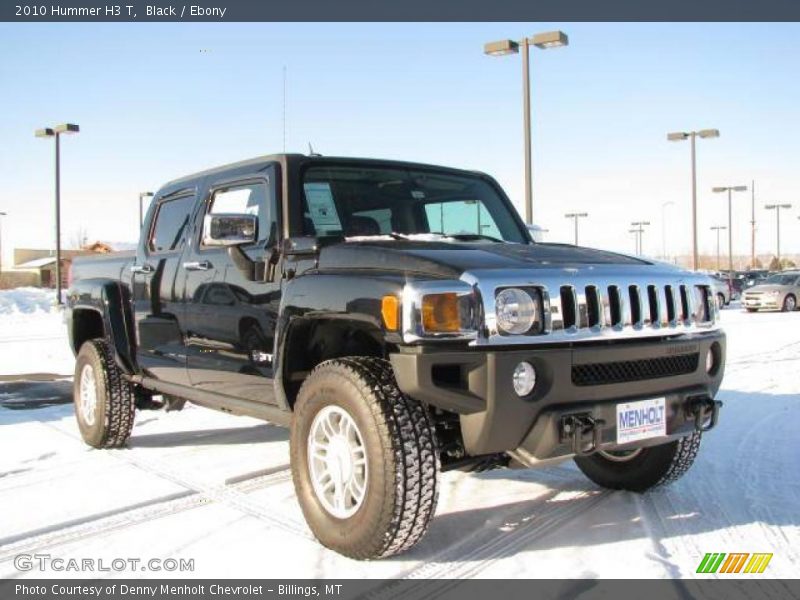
x=399, y=319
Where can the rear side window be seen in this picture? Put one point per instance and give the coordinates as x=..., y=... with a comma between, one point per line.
x=171, y=221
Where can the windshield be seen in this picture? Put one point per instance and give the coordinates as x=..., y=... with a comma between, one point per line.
x=365, y=201
x=780, y=279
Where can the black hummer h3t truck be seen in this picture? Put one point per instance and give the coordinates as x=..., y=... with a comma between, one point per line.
x=400, y=320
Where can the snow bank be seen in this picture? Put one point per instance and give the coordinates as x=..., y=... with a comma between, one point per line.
x=26, y=300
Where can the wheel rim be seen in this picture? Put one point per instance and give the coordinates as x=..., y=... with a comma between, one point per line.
x=87, y=397
x=789, y=303
x=337, y=462
x=620, y=455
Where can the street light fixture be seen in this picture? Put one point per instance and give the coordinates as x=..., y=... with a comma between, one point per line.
x=639, y=235
x=729, y=189
x=777, y=208
x=550, y=39
x=56, y=132
x=576, y=216
x=718, y=228
x=692, y=135
x=142, y=196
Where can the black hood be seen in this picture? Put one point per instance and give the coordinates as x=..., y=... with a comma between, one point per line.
x=451, y=259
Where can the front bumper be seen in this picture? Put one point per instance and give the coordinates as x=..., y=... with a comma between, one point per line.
x=767, y=301
x=578, y=379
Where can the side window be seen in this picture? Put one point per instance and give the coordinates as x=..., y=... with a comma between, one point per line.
x=461, y=216
x=249, y=199
x=171, y=221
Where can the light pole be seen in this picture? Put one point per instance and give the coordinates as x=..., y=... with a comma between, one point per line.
x=777, y=208
x=664, y=205
x=2, y=214
x=550, y=39
x=56, y=132
x=753, y=224
x=575, y=216
x=729, y=189
x=718, y=228
x=142, y=196
x=640, y=234
x=692, y=135
x=635, y=233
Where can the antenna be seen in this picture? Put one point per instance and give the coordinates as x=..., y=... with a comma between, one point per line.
x=311, y=151
x=284, y=108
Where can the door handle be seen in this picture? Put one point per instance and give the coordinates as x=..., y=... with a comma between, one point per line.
x=145, y=268
x=194, y=265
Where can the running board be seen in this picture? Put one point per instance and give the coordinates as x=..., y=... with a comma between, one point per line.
x=226, y=404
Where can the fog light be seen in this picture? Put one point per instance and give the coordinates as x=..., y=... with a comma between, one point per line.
x=710, y=361
x=524, y=378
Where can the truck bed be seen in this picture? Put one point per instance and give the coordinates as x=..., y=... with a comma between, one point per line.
x=103, y=266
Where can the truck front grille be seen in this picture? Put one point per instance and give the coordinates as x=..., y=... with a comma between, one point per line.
x=634, y=370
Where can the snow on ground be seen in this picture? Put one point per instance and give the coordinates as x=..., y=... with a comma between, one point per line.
x=202, y=485
x=33, y=337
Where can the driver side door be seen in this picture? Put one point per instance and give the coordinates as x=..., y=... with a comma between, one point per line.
x=233, y=310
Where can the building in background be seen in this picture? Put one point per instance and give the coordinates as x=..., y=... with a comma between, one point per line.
x=37, y=267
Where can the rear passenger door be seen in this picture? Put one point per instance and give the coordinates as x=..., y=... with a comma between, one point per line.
x=158, y=287
x=230, y=345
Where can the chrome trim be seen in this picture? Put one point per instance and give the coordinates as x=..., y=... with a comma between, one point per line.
x=604, y=279
x=415, y=291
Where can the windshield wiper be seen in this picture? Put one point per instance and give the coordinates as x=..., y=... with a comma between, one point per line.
x=473, y=236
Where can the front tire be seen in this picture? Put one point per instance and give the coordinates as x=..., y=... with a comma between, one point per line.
x=351, y=409
x=104, y=401
x=642, y=469
x=789, y=303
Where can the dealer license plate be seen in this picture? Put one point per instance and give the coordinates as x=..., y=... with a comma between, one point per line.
x=641, y=420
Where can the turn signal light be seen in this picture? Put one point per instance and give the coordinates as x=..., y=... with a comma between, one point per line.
x=390, y=311
x=440, y=313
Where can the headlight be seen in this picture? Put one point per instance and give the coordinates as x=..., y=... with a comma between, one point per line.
x=775, y=292
x=517, y=311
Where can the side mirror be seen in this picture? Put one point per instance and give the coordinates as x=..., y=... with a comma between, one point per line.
x=231, y=229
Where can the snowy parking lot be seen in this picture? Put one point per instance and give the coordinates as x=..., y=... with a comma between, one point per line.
x=216, y=489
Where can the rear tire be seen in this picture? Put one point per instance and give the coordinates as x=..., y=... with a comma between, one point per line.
x=721, y=301
x=643, y=470
x=391, y=500
x=104, y=401
x=752, y=310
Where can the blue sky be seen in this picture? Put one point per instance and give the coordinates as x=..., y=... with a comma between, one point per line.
x=157, y=101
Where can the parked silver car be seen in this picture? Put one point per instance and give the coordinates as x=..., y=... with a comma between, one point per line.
x=722, y=291
x=777, y=292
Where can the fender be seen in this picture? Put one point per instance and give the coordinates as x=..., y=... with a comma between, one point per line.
x=344, y=296
x=112, y=301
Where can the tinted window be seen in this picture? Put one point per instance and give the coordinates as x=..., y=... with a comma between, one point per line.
x=781, y=279
x=172, y=219
x=249, y=199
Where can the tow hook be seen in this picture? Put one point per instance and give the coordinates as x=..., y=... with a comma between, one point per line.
x=579, y=430
x=704, y=409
